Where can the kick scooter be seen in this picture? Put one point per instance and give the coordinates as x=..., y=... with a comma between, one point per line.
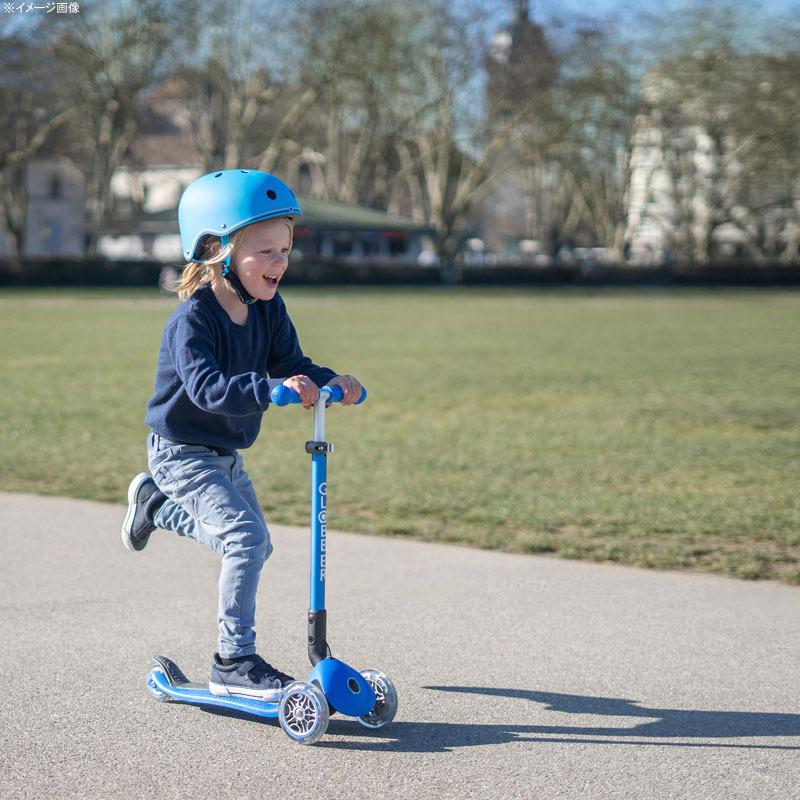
x=304, y=707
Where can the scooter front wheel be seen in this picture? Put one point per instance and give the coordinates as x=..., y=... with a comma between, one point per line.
x=303, y=712
x=385, y=707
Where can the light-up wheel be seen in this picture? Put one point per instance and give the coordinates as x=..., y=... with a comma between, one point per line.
x=303, y=712
x=385, y=707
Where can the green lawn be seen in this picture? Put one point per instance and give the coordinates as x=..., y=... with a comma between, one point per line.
x=659, y=428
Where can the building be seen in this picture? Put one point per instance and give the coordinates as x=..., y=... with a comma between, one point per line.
x=653, y=214
x=512, y=223
x=519, y=65
x=713, y=175
x=55, y=217
x=145, y=224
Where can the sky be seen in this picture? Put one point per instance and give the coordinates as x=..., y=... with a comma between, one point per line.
x=635, y=20
x=625, y=10
x=628, y=17
x=604, y=6
x=568, y=8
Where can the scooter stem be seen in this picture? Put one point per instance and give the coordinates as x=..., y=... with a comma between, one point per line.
x=319, y=449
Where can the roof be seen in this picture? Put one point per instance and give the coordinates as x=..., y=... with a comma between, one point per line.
x=323, y=214
x=329, y=214
x=164, y=149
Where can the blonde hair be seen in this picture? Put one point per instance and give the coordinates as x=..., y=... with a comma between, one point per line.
x=198, y=273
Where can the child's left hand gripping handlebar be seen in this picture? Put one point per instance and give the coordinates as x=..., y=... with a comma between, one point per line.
x=285, y=395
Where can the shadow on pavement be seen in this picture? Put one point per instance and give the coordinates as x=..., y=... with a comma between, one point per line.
x=665, y=727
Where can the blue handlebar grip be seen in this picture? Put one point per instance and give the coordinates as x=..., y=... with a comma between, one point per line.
x=285, y=395
x=336, y=394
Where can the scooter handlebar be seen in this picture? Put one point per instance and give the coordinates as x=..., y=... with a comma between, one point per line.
x=285, y=395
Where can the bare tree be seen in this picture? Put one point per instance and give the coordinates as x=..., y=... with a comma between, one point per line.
x=356, y=61
x=398, y=119
x=769, y=133
x=569, y=130
x=724, y=110
x=596, y=97
x=33, y=112
x=236, y=80
x=448, y=155
x=111, y=56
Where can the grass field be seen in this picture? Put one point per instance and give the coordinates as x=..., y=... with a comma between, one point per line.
x=658, y=428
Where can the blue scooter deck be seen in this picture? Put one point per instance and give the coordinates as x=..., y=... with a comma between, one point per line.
x=167, y=678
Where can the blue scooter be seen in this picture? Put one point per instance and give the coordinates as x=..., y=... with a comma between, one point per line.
x=304, y=707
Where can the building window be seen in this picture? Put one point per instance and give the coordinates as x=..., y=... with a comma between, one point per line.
x=52, y=236
x=397, y=242
x=371, y=247
x=398, y=247
x=342, y=245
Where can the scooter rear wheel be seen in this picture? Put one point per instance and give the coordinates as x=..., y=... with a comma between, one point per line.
x=385, y=707
x=303, y=712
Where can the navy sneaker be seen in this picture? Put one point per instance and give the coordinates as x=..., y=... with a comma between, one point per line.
x=250, y=676
x=144, y=499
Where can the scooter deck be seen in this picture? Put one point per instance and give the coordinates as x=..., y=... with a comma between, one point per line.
x=168, y=679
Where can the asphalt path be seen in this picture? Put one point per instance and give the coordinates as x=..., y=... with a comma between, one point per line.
x=518, y=676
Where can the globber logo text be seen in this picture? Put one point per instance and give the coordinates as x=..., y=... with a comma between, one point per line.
x=322, y=516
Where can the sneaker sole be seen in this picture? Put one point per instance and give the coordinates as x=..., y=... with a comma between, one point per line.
x=132, y=489
x=221, y=690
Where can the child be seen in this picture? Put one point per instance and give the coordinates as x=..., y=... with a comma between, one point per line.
x=224, y=348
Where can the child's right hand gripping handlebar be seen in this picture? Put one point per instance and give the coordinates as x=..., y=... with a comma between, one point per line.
x=285, y=395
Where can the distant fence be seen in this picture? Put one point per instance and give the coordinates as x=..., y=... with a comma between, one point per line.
x=712, y=274
x=107, y=272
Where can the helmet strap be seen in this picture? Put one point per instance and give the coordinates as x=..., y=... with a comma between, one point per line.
x=233, y=278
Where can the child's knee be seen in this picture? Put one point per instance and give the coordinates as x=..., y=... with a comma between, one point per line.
x=264, y=546
x=254, y=541
x=264, y=543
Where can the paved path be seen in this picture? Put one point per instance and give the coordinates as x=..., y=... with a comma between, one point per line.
x=518, y=676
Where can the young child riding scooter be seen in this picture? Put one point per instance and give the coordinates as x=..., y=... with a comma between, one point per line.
x=225, y=346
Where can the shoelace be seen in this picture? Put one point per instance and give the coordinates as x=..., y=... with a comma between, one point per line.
x=263, y=672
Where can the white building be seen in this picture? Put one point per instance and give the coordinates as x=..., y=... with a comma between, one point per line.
x=145, y=212
x=55, y=218
x=688, y=191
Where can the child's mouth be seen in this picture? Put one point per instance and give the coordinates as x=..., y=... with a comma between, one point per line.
x=272, y=280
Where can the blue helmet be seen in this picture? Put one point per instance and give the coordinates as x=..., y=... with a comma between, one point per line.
x=222, y=202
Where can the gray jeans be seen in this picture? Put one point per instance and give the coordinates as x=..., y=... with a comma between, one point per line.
x=210, y=498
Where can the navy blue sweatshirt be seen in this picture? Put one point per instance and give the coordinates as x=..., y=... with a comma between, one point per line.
x=212, y=382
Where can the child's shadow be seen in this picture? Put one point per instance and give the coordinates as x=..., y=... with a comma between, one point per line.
x=665, y=727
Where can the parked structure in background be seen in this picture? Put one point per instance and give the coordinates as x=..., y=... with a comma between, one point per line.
x=55, y=217
x=144, y=219
x=145, y=224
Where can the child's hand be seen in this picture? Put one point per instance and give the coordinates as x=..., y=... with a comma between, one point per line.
x=351, y=388
x=305, y=387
